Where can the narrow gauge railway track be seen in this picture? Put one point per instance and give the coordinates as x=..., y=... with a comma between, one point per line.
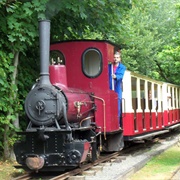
x=113, y=157
x=23, y=177
x=74, y=172
x=117, y=157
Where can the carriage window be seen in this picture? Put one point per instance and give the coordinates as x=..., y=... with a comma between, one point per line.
x=57, y=57
x=92, y=63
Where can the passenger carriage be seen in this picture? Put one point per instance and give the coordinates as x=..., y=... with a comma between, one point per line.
x=146, y=115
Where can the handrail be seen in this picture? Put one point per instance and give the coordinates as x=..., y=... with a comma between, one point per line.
x=104, y=113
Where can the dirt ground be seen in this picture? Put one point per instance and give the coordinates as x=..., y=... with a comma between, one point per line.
x=8, y=171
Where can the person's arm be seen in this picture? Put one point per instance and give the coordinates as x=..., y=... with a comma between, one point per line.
x=120, y=72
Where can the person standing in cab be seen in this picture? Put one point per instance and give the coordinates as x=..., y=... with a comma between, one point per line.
x=117, y=73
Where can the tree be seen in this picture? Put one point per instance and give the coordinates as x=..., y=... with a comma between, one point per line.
x=171, y=53
x=19, y=35
x=72, y=19
x=148, y=29
x=18, y=30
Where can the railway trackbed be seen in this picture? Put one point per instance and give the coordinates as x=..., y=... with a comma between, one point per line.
x=88, y=166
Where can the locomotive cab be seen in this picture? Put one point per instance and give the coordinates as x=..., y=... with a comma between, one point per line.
x=87, y=68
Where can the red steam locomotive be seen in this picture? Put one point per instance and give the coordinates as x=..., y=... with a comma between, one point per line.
x=73, y=114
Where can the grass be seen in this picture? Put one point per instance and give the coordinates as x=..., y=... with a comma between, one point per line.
x=160, y=167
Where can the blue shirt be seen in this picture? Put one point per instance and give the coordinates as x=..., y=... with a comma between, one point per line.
x=118, y=81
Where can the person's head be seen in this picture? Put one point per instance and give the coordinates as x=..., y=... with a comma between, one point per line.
x=117, y=57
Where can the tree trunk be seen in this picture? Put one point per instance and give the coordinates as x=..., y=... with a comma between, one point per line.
x=8, y=151
x=16, y=62
x=6, y=144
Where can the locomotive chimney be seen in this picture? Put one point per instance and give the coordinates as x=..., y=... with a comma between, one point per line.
x=44, y=39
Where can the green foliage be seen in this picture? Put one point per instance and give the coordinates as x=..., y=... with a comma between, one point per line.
x=7, y=105
x=77, y=19
x=171, y=63
x=18, y=31
x=149, y=33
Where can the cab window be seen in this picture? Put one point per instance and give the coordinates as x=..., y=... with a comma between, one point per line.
x=92, y=62
x=57, y=57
